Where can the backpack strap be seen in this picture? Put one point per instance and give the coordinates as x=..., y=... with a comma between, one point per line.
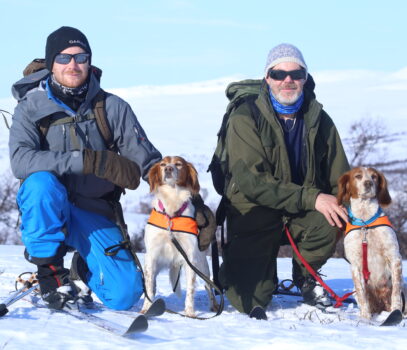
x=101, y=119
x=254, y=110
x=44, y=125
x=98, y=112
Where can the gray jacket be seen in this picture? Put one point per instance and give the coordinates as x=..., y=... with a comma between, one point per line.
x=61, y=151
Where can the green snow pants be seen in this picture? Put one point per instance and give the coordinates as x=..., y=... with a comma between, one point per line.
x=249, y=265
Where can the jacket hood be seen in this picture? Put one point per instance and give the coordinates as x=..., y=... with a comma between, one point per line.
x=309, y=87
x=32, y=89
x=30, y=82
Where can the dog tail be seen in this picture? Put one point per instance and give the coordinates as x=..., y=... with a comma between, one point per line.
x=175, y=279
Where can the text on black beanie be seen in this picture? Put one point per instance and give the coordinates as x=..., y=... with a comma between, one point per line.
x=61, y=39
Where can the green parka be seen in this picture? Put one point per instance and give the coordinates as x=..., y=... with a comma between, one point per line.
x=259, y=163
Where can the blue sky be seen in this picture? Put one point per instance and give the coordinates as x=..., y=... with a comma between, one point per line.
x=163, y=42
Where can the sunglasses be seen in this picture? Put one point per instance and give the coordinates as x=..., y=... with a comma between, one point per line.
x=65, y=58
x=282, y=74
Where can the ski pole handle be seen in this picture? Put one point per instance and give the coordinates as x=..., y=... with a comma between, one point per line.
x=3, y=310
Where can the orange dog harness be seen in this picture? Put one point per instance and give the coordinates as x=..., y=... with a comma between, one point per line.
x=358, y=224
x=176, y=224
x=380, y=221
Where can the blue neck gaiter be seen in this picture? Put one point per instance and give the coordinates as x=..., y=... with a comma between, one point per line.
x=282, y=109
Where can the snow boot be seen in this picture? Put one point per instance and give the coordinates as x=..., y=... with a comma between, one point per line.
x=258, y=313
x=55, y=286
x=314, y=294
x=63, y=297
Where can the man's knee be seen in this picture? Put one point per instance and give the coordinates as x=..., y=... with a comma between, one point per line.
x=125, y=290
x=41, y=185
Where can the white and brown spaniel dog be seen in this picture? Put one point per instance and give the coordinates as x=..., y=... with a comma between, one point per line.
x=173, y=181
x=370, y=242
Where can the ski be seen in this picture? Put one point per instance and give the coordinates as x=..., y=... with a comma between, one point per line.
x=138, y=324
x=298, y=294
x=157, y=308
x=393, y=319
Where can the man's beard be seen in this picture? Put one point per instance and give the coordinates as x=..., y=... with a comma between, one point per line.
x=287, y=100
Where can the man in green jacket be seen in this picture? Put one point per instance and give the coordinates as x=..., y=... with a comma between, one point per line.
x=284, y=167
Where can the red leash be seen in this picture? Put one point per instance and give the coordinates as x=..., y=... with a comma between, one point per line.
x=338, y=299
x=366, y=272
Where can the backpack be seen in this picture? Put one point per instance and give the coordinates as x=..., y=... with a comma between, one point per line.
x=98, y=107
x=237, y=93
x=245, y=91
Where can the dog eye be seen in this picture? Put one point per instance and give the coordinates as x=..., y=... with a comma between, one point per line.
x=162, y=165
x=358, y=176
x=374, y=177
x=178, y=165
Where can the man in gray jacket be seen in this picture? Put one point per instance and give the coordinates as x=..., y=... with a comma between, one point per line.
x=71, y=180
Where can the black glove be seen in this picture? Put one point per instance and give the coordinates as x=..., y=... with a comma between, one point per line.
x=206, y=222
x=110, y=166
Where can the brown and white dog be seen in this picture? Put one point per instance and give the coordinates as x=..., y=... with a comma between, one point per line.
x=377, y=277
x=173, y=181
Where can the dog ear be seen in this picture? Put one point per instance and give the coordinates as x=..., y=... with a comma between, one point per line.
x=383, y=195
x=343, y=189
x=192, y=179
x=154, y=176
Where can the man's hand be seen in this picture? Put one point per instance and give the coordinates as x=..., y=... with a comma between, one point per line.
x=111, y=166
x=327, y=205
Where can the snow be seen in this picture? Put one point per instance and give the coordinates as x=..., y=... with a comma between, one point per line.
x=290, y=326
x=183, y=120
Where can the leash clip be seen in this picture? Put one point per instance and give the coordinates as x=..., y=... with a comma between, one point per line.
x=364, y=232
x=170, y=224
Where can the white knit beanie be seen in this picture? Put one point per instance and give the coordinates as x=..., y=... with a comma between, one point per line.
x=284, y=53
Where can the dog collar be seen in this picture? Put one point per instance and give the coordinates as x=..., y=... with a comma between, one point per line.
x=177, y=213
x=359, y=222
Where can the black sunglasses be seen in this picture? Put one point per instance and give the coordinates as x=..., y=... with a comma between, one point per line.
x=65, y=58
x=297, y=74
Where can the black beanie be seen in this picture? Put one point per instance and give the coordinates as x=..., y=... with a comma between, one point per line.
x=61, y=39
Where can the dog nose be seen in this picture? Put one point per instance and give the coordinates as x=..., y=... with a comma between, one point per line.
x=368, y=183
x=169, y=169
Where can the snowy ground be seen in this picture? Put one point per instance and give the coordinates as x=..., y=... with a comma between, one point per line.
x=290, y=325
x=195, y=111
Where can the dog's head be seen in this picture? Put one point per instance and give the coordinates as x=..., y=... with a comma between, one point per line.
x=363, y=183
x=173, y=170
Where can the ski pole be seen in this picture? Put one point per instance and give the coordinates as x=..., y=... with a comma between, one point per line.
x=29, y=285
x=21, y=293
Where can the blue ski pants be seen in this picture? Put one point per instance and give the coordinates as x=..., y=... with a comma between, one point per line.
x=49, y=220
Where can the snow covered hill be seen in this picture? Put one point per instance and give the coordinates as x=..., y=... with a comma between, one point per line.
x=184, y=120
x=290, y=326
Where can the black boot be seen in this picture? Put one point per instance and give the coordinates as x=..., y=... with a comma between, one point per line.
x=55, y=286
x=314, y=294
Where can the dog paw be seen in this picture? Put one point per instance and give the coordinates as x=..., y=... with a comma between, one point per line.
x=190, y=312
x=366, y=315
